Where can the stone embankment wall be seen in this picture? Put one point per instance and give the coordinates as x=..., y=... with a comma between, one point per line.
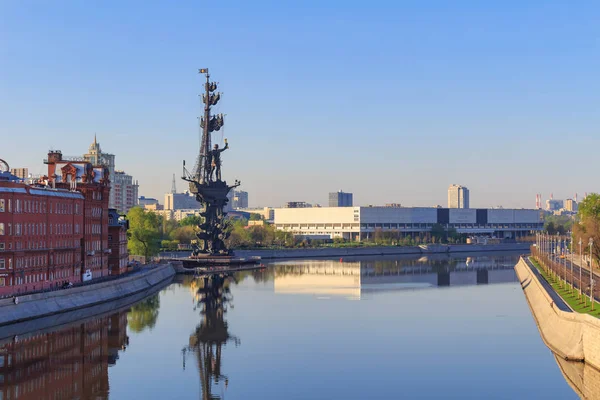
x=61, y=301
x=571, y=335
x=381, y=251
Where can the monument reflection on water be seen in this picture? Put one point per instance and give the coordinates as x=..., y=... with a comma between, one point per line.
x=353, y=278
x=213, y=296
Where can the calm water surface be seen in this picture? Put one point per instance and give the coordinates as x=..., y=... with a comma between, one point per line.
x=380, y=328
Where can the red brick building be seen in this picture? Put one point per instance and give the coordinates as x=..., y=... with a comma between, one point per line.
x=93, y=183
x=117, y=239
x=40, y=234
x=57, y=230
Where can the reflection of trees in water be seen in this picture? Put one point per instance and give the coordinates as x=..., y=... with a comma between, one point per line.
x=213, y=298
x=144, y=314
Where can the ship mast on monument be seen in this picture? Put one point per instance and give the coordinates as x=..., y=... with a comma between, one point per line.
x=206, y=183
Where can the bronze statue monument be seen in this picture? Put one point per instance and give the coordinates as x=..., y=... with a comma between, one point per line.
x=206, y=182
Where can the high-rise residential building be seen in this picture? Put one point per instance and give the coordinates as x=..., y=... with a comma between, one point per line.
x=458, y=196
x=124, y=189
x=180, y=201
x=571, y=205
x=239, y=200
x=340, y=199
x=22, y=173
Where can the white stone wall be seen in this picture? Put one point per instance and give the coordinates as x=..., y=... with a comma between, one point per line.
x=571, y=335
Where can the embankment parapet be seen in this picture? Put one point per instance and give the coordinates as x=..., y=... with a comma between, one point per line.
x=49, y=303
x=571, y=335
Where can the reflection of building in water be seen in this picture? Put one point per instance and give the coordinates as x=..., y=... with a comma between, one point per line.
x=213, y=297
x=350, y=279
x=62, y=364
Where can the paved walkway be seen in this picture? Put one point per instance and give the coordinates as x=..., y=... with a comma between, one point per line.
x=558, y=301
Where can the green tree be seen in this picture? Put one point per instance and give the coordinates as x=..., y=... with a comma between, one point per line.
x=190, y=221
x=255, y=217
x=438, y=232
x=144, y=314
x=588, y=225
x=550, y=228
x=184, y=234
x=144, y=232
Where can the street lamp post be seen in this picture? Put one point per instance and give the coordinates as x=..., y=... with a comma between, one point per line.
x=564, y=258
x=556, y=256
x=572, y=283
x=591, y=275
x=580, y=266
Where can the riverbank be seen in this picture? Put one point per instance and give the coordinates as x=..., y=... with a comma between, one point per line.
x=571, y=335
x=334, y=252
x=49, y=304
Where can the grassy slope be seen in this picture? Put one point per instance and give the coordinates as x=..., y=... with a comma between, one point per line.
x=571, y=298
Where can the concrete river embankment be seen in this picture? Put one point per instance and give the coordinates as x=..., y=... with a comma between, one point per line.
x=570, y=335
x=47, y=304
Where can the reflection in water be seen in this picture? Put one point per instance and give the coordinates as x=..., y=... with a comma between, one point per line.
x=583, y=379
x=144, y=314
x=212, y=296
x=65, y=363
x=353, y=278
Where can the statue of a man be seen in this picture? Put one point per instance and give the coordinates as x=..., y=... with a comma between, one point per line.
x=215, y=155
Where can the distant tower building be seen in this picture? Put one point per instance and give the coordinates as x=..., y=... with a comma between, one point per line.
x=22, y=173
x=124, y=191
x=571, y=205
x=239, y=200
x=95, y=156
x=173, y=185
x=458, y=196
x=340, y=199
x=538, y=201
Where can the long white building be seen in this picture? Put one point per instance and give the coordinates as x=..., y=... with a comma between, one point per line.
x=357, y=223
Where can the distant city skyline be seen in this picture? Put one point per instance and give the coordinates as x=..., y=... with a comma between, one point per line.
x=451, y=93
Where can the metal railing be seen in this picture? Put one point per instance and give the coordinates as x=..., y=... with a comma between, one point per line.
x=107, y=278
x=571, y=270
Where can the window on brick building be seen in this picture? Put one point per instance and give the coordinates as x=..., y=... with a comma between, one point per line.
x=2, y=282
x=1, y=228
x=1, y=205
x=2, y=263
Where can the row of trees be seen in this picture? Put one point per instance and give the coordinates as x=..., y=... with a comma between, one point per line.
x=560, y=224
x=150, y=233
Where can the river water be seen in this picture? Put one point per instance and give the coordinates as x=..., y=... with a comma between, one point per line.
x=368, y=328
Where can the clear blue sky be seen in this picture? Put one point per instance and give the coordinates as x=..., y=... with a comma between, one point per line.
x=392, y=100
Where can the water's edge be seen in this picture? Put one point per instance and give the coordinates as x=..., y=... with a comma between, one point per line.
x=48, y=304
